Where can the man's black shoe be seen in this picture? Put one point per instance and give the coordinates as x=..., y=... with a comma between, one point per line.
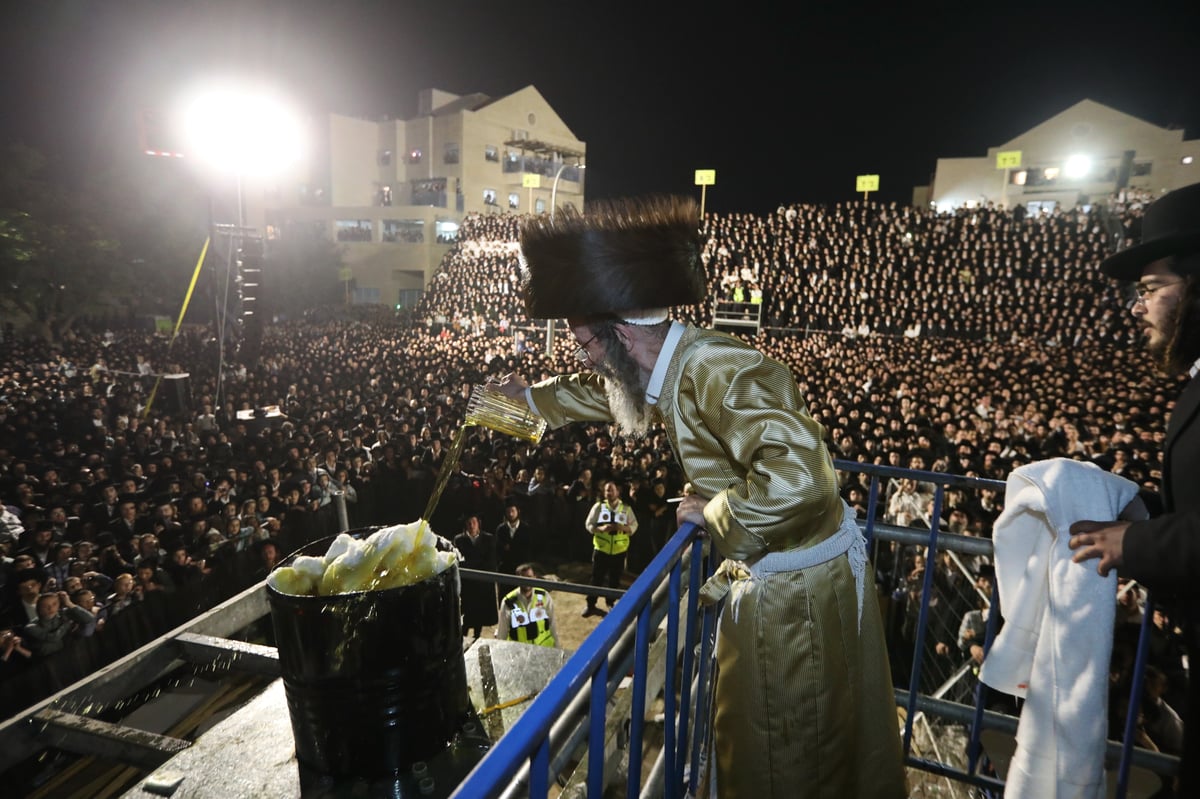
x=594, y=611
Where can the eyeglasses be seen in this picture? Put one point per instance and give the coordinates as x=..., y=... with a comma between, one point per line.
x=1142, y=292
x=581, y=354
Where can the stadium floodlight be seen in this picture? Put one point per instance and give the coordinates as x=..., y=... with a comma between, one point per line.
x=241, y=129
x=1077, y=166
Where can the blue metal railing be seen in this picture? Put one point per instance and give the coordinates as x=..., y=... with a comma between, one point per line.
x=542, y=736
x=529, y=740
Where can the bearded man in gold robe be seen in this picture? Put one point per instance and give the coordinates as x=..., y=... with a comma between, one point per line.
x=804, y=704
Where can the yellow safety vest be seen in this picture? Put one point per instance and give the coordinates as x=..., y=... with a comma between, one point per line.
x=611, y=543
x=521, y=626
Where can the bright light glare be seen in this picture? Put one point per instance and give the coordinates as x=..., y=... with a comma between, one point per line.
x=240, y=129
x=1077, y=166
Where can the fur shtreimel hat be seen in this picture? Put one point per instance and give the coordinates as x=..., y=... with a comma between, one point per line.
x=1171, y=226
x=622, y=257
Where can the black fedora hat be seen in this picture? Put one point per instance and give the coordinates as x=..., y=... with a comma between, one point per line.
x=1171, y=226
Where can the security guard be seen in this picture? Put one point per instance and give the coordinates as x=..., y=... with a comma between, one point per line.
x=610, y=522
x=527, y=613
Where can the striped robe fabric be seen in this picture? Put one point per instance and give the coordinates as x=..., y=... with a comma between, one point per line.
x=804, y=704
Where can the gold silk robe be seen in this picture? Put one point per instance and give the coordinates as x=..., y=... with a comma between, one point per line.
x=804, y=703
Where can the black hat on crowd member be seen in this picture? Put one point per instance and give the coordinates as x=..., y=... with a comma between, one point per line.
x=34, y=573
x=1171, y=226
x=632, y=258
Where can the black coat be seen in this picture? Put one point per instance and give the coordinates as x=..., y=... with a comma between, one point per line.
x=1163, y=554
x=515, y=549
x=478, y=598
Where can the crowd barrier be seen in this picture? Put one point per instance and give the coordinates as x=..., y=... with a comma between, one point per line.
x=576, y=708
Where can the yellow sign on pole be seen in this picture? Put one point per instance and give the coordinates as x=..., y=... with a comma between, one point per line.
x=1009, y=159
x=531, y=182
x=866, y=183
x=345, y=274
x=704, y=179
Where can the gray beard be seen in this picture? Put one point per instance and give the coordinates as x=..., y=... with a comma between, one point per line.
x=628, y=406
x=626, y=394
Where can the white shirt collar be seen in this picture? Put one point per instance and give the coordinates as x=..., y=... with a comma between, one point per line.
x=659, y=375
x=1195, y=370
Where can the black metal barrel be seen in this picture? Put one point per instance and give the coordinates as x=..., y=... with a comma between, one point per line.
x=375, y=680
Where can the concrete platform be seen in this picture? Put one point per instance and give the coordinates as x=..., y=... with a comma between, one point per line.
x=252, y=753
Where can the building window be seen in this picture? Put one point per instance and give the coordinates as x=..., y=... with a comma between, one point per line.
x=1036, y=176
x=385, y=157
x=354, y=230
x=489, y=196
x=404, y=231
x=414, y=155
x=302, y=230
x=385, y=195
x=1141, y=169
x=364, y=295
x=447, y=231
x=491, y=153
x=513, y=161
x=429, y=192
x=514, y=200
x=539, y=206
x=450, y=156
x=407, y=298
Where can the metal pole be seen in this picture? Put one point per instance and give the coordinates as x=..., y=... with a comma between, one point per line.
x=554, y=190
x=339, y=502
x=553, y=205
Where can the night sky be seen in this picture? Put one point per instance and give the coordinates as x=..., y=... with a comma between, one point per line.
x=656, y=89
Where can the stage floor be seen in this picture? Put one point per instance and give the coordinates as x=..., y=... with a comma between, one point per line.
x=252, y=753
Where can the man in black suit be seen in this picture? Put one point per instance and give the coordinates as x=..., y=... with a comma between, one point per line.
x=478, y=551
x=515, y=540
x=128, y=525
x=1163, y=553
x=107, y=510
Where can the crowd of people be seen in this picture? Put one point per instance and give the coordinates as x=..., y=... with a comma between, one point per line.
x=967, y=343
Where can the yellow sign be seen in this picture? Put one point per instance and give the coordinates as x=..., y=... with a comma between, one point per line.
x=531, y=181
x=866, y=183
x=345, y=274
x=706, y=177
x=1009, y=159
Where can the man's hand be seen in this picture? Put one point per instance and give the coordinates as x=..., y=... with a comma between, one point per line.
x=510, y=385
x=691, y=509
x=1103, y=540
